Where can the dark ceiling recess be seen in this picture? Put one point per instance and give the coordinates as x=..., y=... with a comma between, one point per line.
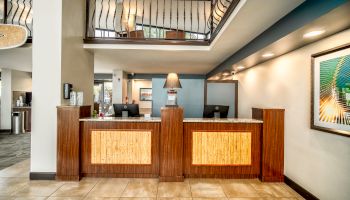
x=300, y=17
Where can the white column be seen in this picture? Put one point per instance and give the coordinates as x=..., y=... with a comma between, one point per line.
x=58, y=57
x=6, y=98
x=119, y=86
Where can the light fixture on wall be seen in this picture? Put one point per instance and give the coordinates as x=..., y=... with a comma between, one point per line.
x=172, y=83
x=314, y=33
x=268, y=55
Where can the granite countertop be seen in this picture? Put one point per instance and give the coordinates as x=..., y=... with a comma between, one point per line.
x=120, y=119
x=222, y=120
x=27, y=107
x=157, y=119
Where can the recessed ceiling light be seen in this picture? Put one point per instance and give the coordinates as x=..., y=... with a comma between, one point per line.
x=268, y=55
x=240, y=67
x=313, y=33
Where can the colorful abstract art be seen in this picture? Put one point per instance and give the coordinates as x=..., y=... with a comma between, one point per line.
x=331, y=92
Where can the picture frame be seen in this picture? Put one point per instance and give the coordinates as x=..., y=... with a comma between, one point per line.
x=145, y=94
x=330, y=91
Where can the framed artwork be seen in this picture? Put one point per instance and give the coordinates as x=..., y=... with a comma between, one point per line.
x=330, y=92
x=145, y=94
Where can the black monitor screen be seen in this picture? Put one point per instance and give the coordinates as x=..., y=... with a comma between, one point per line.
x=210, y=110
x=133, y=110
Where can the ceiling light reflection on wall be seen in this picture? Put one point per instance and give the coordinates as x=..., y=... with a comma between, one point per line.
x=240, y=67
x=268, y=55
x=313, y=33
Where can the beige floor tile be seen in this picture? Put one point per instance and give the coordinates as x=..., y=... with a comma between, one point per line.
x=137, y=198
x=29, y=198
x=111, y=187
x=239, y=189
x=39, y=188
x=141, y=188
x=294, y=193
x=174, y=189
x=174, y=198
x=64, y=198
x=272, y=190
x=206, y=188
x=74, y=189
x=8, y=186
x=249, y=198
x=17, y=170
x=101, y=198
x=218, y=198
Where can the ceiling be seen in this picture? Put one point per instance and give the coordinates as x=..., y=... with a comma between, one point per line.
x=244, y=25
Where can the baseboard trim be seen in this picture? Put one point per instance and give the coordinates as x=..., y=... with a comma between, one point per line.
x=300, y=190
x=42, y=176
x=5, y=131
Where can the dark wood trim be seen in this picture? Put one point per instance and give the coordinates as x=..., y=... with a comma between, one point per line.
x=223, y=81
x=5, y=130
x=312, y=121
x=299, y=189
x=90, y=40
x=42, y=176
x=5, y=12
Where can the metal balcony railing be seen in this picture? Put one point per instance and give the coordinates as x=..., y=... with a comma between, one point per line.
x=156, y=20
x=17, y=12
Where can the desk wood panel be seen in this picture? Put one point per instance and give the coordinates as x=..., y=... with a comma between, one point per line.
x=119, y=170
x=272, y=165
x=68, y=142
x=171, y=143
x=226, y=171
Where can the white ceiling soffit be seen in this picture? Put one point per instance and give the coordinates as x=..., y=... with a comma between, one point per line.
x=249, y=20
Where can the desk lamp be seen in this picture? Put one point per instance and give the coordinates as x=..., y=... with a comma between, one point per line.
x=172, y=83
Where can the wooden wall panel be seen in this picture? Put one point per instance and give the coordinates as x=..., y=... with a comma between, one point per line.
x=272, y=165
x=68, y=140
x=225, y=171
x=171, y=143
x=221, y=148
x=121, y=147
x=119, y=170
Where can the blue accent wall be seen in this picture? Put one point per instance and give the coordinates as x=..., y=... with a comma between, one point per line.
x=190, y=97
x=222, y=94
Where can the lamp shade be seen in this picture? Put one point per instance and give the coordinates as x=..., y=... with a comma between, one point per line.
x=172, y=81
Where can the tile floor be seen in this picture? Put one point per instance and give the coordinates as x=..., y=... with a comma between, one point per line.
x=14, y=184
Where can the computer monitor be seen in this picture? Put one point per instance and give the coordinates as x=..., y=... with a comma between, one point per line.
x=218, y=111
x=132, y=110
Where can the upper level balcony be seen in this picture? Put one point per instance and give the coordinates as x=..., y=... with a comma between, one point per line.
x=194, y=22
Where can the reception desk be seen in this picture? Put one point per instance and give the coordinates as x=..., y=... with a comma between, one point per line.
x=170, y=148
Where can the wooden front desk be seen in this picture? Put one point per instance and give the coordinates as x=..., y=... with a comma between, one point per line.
x=172, y=148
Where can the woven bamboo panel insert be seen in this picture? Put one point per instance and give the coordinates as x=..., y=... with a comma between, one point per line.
x=221, y=148
x=121, y=147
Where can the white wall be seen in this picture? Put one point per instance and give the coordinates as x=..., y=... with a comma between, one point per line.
x=318, y=161
x=6, y=98
x=119, y=88
x=58, y=57
x=137, y=84
x=77, y=63
x=21, y=81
